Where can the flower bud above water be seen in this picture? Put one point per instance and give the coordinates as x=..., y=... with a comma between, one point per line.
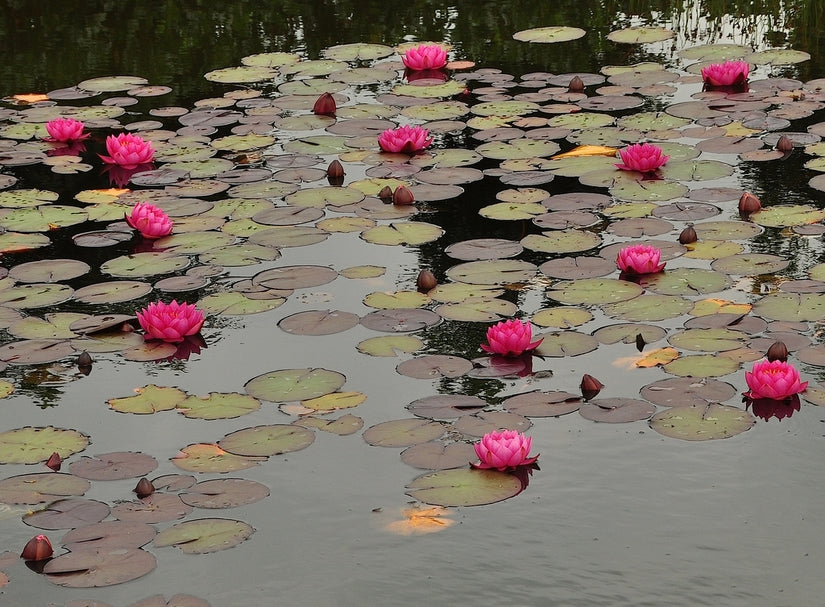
x=54, y=462
x=576, y=85
x=590, y=386
x=688, y=236
x=748, y=203
x=784, y=144
x=777, y=351
x=37, y=549
x=402, y=195
x=324, y=105
x=426, y=281
x=144, y=488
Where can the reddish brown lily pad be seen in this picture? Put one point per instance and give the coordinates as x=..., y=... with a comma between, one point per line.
x=155, y=508
x=687, y=391
x=318, y=322
x=109, y=534
x=434, y=366
x=67, y=514
x=485, y=422
x=542, y=404
x=400, y=320
x=41, y=487
x=95, y=568
x=113, y=466
x=224, y=493
x=446, y=406
x=436, y=455
x=617, y=410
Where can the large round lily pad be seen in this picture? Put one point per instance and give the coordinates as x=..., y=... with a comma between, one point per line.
x=91, y=568
x=32, y=445
x=113, y=466
x=403, y=432
x=702, y=422
x=41, y=487
x=687, y=391
x=286, y=385
x=464, y=487
x=268, y=440
x=205, y=535
x=556, y=33
x=594, y=291
x=224, y=493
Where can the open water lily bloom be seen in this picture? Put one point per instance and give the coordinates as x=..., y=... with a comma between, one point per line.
x=151, y=221
x=504, y=450
x=729, y=73
x=425, y=57
x=65, y=130
x=642, y=157
x=510, y=338
x=640, y=259
x=407, y=139
x=773, y=379
x=170, y=322
x=128, y=150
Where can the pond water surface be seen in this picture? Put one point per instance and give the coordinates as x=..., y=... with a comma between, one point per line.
x=618, y=514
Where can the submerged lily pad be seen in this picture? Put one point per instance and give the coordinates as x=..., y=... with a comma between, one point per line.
x=702, y=422
x=463, y=487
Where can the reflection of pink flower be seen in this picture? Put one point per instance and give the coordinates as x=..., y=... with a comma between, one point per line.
x=170, y=322
x=120, y=176
x=149, y=220
x=773, y=379
x=72, y=148
x=128, y=150
x=191, y=344
x=642, y=157
x=766, y=408
x=65, y=130
x=640, y=259
x=425, y=57
x=729, y=73
x=413, y=75
x=409, y=139
x=503, y=450
x=510, y=338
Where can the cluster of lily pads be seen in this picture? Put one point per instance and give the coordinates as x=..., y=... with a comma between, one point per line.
x=244, y=177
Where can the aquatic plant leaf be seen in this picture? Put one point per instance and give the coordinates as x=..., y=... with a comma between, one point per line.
x=786, y=215
x=35, y=351
x=385, y=300
x=484, y=248
x=555, y=33
x=463, y=487
x=400, y=320
x=294, y=277
x=268, y=440
x=15, y=242
x=646, y=308
x=492, y=272
x=113, y=466
x=542, y=404
x=156, y=508
x=409, y=234
x=42, y=218
x=343, y=426
x=139, y=265
x=241, y=74
x=484, y=422
x=477, y=310
x=687, y=391
x=627, y=333
x=224, y=493
x=445, y=89
x=287, y=385
x=41, y=487
x=566, y=343
x=205, y=457
x=403, y=432
x=447, y=406
x=116, y=291
x=237, y=303
x=437, y=455
x=217, y=405
x=30, y=445
x=617, y=410
x=51, y=270
x=573, y=268
x=792, y=307
x=273, y=59
x=777, y=56
x=702, y=422
x=594, y=291
x=390, y=345
x=641, y=34
x=201, y=536
x=701, y=365
x=562, y=241
x=518, y=148
x=335, y=400
x=53, y=326
x=512, y=211
x=26, y=197
x=750, y=264
x=35, y=295
x=68, y=514
x=318, y=322
x=93, y=568
x=708, y=340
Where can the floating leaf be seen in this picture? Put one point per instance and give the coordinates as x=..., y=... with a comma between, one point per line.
x=41, y=488
x=617, y=410
x=202, y=536
x=268, y=440
x=558, y=33
x=91, y=568
x=403, y=432
x=390, y=345
x=218, y=405
x=435, y=455
x=464, y=487
x=687, y=391
x=594, y=291
x=204, y=457
x=641, y=34
x=68, y=514
x=224, y=493
x=343, y=426
x=30, y=445
x=288, y=385
x=113, y=466
x=702, y=422
x=701, y=365
x=542, y=404
x=654, y=358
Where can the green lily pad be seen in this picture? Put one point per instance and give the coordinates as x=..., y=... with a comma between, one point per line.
x=702, y=422
x=715, y=53
x=726, y=230
x=33, y=445
x=462, y=487
x=403, y=432
x=642, y=190
x=787, y=215
x=52, y=326
x=432, y=366
x=116, y=291
x=491, y=272
x=192, y=243
x=318, y=144
x=139, y=265
x=562, y=317
x=287, y=385
x=14, y=242
x=268, y=440
x=318, y=322
x=238, y=255
x=410, y=233
x=274, y=59
x=792, y=307
x=288, y=236
x=384, y=300
x=237, y=304
x=343, y=426
x=205, y=535
x=594, y=291
x=696, y=170
x=777, y=56
x=518, y=148
x=436, y=455
x=562, y=241
x=261, y=189
x=687, y=281
x=242, y=143
x=42, y=218
x=512, y=211
x=149, y=399
x=709, y=340
x=241, y=74
x=218, y=405
x=750, y=264
x=313, y=67
x=334, y=401
x=25, y=198
x=566, y=343
x=556, y=33
x=321, y=197
x=701, y=365
x=363, y=272
x=627, y=333
x=446, y=89
x=35, y=295
x=641, y=34
x=478, y=310
x=390, y=345
x=205, y=457
x=441, y=110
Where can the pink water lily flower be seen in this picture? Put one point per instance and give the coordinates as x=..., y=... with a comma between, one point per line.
x=642, y=157
x=773, y=379
x=408, y=139
x=640, y=259
x=149, y=220
x=425, y=57
x=170, y=322
x=510, y=338
x=65, y=130
x=729, y=73
x=128, y=150
x=503, y=450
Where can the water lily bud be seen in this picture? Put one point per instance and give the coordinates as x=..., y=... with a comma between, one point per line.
x=402, y=195
x=385, y=193
x=144, y=488
x=37, y=549
x=778, y=351
x=84, y=363
x=576, y=85
x=335, y=169
x=325, y=105
x=54, y=461
x=426, y=281
x=688, y=236
x=590, y=386
x=784, y=144
x=640, y=342
x=748, y=203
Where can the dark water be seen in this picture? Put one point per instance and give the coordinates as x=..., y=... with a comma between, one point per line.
x=618, y=515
